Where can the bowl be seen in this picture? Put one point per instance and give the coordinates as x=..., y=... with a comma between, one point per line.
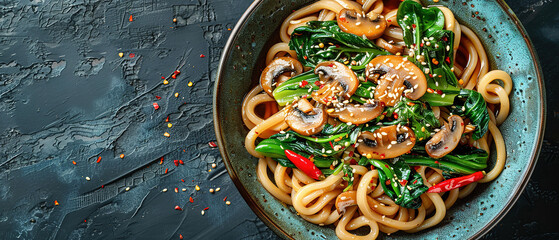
x=509, y=49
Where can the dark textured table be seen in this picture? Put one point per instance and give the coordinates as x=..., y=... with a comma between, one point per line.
x=88, y=93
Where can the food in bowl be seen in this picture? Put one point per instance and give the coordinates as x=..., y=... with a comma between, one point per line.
x=375, y=113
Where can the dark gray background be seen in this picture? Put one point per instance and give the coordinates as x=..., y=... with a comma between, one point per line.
x=66, y=95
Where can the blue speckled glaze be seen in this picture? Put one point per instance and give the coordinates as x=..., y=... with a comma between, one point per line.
x=509, y=49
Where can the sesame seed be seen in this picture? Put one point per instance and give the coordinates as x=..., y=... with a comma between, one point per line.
x=228, y=203
x=164, y=190
x=87, y=178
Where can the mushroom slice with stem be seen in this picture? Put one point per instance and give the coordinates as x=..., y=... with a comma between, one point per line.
x=305, y=119
x=447, y=138
x=357, y=113
x=386, y=142
x=339, y=82
x=279, y=66
x=371, y=25
x=345, y=200
x=394, y=74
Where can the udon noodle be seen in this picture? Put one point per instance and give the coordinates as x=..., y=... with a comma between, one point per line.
x=315, y=200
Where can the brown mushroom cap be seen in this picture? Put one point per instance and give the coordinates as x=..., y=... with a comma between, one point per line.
x=275, y=69
x=345, y=200
x=447, y=138
x=394, y=74
x=339, y=82
x=357, y=113
x=370, y=25
x=386, y=142
x=308, y=123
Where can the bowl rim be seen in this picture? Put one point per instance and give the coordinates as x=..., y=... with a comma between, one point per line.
x=261, y=213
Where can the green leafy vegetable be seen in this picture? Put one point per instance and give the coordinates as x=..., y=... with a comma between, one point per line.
x=400, y=182
x=348, y=176
x=337, y=45
x=472, y=105
x=432, y=46
x=462, y=161
x=415, y=114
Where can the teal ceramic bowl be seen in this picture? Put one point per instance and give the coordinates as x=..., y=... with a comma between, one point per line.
x=509, y=49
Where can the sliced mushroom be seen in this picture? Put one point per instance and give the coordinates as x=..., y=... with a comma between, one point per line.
x=345, y=200
x=390, y=47
x=386, y=142
x=394, y=74
x=370, y=25
x=338, y=81
x=279, y=66
x=447, y=138
x=306, y=122
x=357, y=113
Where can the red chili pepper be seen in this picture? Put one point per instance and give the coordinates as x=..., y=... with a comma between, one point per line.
x=331, y=145
x=181, y=162
x=158, y=97
x=413, y=25
x=304, y=83
x=178, y=208
x=225, y=199
x=212, y=144
x=166, y=170
x=180, y=236
x=155, y=105
x=202, y=55
x=191, y=200
x=131, y=55
x=206, y=209
x=304, y=165
x=453, y=183
x=130, y=19
x=99, y=159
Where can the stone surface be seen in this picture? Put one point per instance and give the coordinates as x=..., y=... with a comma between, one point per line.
x=66, y=95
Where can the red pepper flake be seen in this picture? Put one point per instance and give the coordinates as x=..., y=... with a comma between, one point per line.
x=206, y=209
x=212, y=144
x=162, y=77
x=403, y=182
x=176, y=163
x=414, y=182
x=181, y=163
x=421, y=45
x=158, y=97
x=166, y=170
x=202, y=56
x=85, y=220
x=130, y=19
x=387, y=182
x=304, y=83
x=98, y=159
x=191, y=200
x=372, y=168
x=350, y=154
x=352, y=162
x=131, y=55
x=430, y=75
x=178, y=208
x=102, y=186
x=395, y=116
x=161, y=161
x=74, y=162
x=447, y=59
x=176, y=190
x=180, y=236
x=177, y=72
x=182, y=180
x=382, y=156
x=436, y=162
x=225, y=199
x=155, y=105
x=445, y=147
x=445, y=39
x=305, y=57
x=167, y=119
x=439, y=92
x=56, y=203
x=331, y=145
x=174, y=76
x=388, y=20
x=413, y=25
